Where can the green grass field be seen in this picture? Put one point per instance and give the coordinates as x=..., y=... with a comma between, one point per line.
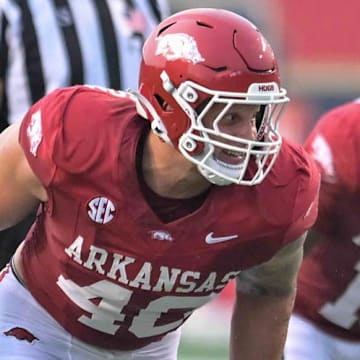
x=205, y=336
x=203, y=350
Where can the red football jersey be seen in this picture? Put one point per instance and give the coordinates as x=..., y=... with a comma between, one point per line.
x=329, y=281
x=101, y=262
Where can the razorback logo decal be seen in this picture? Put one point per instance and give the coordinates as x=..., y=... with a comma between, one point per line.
x=21, y=334
x=178, y=46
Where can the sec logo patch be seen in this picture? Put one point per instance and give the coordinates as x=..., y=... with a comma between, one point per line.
x=101, y=210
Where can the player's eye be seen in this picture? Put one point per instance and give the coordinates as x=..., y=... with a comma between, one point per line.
x=229, y=118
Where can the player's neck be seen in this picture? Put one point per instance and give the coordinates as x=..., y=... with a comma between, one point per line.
x=168, y=173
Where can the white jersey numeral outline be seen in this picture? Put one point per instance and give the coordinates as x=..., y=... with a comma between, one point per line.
x=114, y=298
x=343, y=311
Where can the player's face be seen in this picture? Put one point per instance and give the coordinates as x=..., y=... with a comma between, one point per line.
x=239, y=121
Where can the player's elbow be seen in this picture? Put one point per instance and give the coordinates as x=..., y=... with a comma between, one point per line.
x=279, y=289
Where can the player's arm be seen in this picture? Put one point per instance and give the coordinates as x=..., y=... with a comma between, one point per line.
x=264, y=301
x=20, y=190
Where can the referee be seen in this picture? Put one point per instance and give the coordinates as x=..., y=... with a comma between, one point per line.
x=47, y=44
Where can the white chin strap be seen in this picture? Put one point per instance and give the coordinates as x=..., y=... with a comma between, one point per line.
x=212, y=168
x=229, y=174
x=212, y=177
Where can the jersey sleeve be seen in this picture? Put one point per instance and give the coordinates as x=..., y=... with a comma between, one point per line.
x=305, y=206
x=65, y=133
x=334, y=144
x=39, y=132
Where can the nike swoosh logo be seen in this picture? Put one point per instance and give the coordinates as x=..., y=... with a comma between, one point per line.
x=211, y=239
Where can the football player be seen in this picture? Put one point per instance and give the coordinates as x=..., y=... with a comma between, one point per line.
x=325, y=325
x=151, y=201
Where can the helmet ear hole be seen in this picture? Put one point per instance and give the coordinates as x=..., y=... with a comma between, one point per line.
x=163, y=104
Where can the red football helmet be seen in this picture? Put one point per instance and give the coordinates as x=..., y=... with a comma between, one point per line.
x=196, y=59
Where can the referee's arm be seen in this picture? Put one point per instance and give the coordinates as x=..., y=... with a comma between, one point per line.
x=1, y=92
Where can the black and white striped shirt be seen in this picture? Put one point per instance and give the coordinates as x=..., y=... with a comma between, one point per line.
x=47, y=44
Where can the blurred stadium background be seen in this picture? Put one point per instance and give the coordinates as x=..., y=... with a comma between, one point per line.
x=317, y=43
